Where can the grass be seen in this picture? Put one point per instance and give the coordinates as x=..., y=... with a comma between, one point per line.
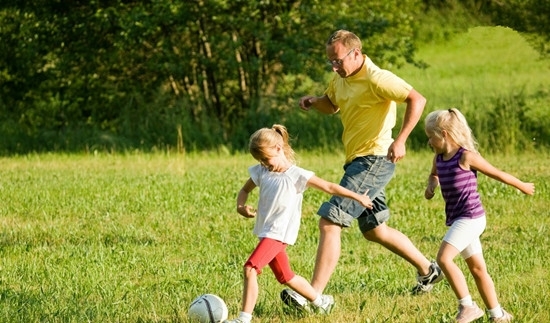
x=491, y=74
x=474, y=68
x=496, y=79
x=134, y=238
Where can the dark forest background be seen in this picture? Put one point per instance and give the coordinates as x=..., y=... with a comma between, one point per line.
x=77, y=76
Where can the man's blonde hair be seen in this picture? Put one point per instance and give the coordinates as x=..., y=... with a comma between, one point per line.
x=347, y=38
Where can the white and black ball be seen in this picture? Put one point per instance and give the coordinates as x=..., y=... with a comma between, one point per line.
x=208, y=308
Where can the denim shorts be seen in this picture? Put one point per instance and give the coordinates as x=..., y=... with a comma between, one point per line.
x=371, y=173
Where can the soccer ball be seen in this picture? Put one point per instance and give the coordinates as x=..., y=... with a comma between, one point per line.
x=208, y=308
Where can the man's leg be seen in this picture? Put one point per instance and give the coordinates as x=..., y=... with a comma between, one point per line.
x=328, y=253
x=400, y=244
x=429, y=273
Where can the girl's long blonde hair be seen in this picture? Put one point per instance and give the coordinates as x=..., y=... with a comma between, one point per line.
x=266, y=138
x=455, y=124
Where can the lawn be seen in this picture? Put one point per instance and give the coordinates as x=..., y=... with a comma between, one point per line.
x=136, y=237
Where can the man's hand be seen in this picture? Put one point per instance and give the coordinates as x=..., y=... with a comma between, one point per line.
x=396, y=152
x=306, y=102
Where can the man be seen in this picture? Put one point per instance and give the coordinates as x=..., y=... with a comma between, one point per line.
x=366, y=97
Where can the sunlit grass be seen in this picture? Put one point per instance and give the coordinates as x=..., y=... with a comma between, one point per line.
x=134, y=238
x=477, y=67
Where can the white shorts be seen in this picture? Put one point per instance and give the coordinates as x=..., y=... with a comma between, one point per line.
x=464, y=236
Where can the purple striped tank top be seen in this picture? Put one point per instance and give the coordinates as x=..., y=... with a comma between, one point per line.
x=459, y=189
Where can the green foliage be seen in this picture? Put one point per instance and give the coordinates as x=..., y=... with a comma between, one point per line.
x=160, y=75
x=442, y=20
x=531, y=17
x=90, y=70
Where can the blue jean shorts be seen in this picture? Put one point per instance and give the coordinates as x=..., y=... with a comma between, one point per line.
x=371, y=173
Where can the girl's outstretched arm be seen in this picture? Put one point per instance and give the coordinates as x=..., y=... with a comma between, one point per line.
x=475, y=161
x=335, y=189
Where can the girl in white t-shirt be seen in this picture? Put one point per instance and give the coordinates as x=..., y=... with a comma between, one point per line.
x=281, y=184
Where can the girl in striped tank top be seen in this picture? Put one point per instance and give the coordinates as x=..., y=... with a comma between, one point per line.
x=455, y=167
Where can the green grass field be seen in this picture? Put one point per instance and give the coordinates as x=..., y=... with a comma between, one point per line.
x=473, y=69
x=134, y=238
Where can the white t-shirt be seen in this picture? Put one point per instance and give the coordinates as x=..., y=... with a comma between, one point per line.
x=280, y=202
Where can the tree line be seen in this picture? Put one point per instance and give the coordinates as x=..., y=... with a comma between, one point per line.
x=198, y=74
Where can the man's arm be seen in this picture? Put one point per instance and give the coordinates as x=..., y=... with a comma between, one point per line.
x=415, y=105
x=320, y=103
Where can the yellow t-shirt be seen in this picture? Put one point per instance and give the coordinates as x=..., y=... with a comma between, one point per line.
x=367, y=103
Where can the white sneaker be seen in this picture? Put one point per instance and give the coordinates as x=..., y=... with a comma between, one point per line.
x=467, y=314
x=506, y=318
x=295, y=300
x=327, y=305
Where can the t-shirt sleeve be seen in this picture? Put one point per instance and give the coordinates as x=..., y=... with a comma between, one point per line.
x=330, y=91
x=391, y=86
x=255, y=173
x=302, y=177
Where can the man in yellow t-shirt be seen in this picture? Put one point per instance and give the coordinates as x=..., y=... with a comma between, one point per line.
x=366, y=96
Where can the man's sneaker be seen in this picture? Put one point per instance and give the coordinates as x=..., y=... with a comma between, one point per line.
x=468, y=314
x=506, y=318
x=234, y=321
x=424, y=284
x=295, y=300
x=327, y=305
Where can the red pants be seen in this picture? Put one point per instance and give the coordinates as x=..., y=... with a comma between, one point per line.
x=271, y=252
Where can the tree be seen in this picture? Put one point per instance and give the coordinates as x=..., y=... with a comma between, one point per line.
x=139, y=69
x=531, y=17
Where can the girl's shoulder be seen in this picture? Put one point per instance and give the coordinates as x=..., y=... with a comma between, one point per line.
x=296, y=171
x=469, y=158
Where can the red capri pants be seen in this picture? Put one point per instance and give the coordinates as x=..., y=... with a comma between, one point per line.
x=271, y=252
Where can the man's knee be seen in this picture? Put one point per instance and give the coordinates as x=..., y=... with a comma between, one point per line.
x=375, y=234
x=370, y=236
x=329, y=227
